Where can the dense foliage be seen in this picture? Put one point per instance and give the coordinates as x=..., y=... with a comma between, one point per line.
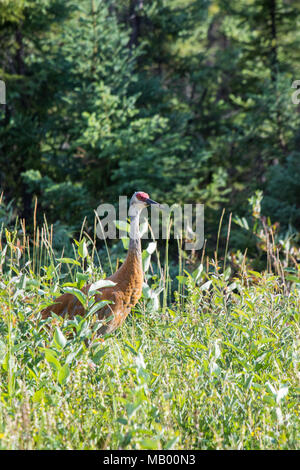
x=189, y=100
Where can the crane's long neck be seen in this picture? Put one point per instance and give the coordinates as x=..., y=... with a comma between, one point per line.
x=134, y=235
x=131, y=270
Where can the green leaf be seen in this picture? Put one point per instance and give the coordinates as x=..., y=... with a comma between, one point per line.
x=150, y=444
x=99, y=354
x=51, y=357
x=151, y=247
x=63, y=374
x=125, y=242
x=100, y=285
x=78, y=294
x=265, y=340
x=122, y=225
x=122, y=421
x=255, y=273
x=282, y=392
x=234, y=347
x=241, y=312
x=197, y=273
x=130, y=347
x=82, y=249
x=2, y=351
x=206, y=285
x=171, y=442
x=146, y=260
x=250, y=305
x=59, y=338
x=68, y=261
x=131, y=408
x=32, y=373
x=293, y=278
x=182, y=279
x=98, y=305
x=38, y=396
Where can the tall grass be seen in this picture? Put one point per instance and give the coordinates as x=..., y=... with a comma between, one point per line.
x=214, y=366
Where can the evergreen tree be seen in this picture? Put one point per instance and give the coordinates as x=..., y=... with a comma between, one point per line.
x=189, y=100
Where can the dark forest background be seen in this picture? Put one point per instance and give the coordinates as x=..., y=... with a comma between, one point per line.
x=188, y=100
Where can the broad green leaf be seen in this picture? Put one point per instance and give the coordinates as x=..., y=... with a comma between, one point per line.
x=78, y=294
x=125, y=242
x=293, y=278
x=146, y=260
x=182, y=279
x=82, y=249
x=151, y=247
x=52, y=358
x=122, y=225
x=63, y=374
x=32, y=373
x=100, y=285
x=150, y=444
x=171, y=442
x=99, y=354
x=38, y=396
x=255, y=273
x=282, y=392
x=59, y=338
x=98, y=305
x=206, y=285
x=73, y=354
x=197, y=273
x=81, y=280
x=122, y=421
x=131, y=408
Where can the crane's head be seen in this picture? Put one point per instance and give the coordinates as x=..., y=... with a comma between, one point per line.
x=140, y=200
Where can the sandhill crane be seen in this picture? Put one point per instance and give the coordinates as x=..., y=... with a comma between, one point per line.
x=128, y=279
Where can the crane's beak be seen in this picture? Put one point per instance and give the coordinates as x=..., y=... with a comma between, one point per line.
x=150, y=201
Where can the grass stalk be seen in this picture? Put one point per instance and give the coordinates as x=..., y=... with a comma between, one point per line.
x=218, y=237
x=227, y=241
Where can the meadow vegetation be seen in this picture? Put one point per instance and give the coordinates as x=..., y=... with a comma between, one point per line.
x=207, y=360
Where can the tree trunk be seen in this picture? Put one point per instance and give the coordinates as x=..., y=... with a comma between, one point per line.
x=135, y=22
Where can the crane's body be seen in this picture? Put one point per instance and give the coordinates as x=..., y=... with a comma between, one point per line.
x=128, y=280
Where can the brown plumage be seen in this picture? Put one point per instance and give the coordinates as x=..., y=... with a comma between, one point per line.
x=128, y=280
